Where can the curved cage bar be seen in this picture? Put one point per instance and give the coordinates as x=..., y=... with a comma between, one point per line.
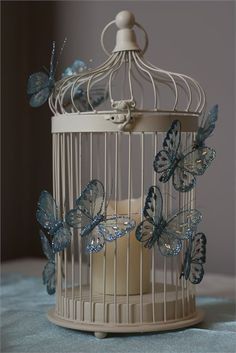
x=125, y=71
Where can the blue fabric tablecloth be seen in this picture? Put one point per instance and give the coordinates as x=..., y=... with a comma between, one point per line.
x=25, y=328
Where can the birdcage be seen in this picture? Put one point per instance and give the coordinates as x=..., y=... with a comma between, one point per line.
x=122, y=286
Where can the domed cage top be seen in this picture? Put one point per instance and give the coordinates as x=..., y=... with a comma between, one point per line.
x=109, y=124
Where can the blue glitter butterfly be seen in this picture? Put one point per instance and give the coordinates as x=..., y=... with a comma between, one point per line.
x=77, y=67
x=169, y=233
x=41, y=84
x=206, y=129
x=50, y=268
x=195, y=257
x=93, y=224
x=183, y=168
x=97, y=94
x=47, y=216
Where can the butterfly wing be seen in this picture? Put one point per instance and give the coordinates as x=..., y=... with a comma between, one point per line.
x=94, y=242
x=183, y=223
x=38, y=99
x=168, y=244
x=97, y=96
x=146, y=233
x=116, y=227
x=49, y=278
x=153, y=205
x=208, y=127
x=91, y=200
x=48, y=274
x=198, y=258
x=74, y=218
x=165, y=159
x=77, y=67
x=183, y=180
x=47, y=250
x=61, y=238
x=46, y=213
x=37, y=82
x=197, y=161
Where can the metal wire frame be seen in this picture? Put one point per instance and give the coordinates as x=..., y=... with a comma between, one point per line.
x=184, y=93
x=76, y=299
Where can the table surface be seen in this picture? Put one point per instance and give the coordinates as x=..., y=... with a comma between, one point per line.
x=25, y=328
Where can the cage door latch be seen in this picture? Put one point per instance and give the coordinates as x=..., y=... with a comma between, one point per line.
x=122, y=116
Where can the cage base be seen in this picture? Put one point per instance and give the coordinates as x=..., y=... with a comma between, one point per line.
x=101, y=330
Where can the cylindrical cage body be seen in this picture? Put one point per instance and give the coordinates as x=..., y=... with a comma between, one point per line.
x=125, y=287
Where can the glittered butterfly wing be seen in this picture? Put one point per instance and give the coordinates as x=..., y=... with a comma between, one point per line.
x=49, y=278
x=74, y=218
x=37, y=82
x=46, y=213
x=183, y=180
x=165, y=160
x=38, y=99
x=198, y=258
x=97, y=96
x=78, y=67
x=94, y=241
x=207, y=128
x=61, y=238
x=115, y=227
x=87, y=213
x=48, y=274
x=183, y=223
x=147, y=231
x=198, y=160
x=153, y=205
x=47, y=250
x=91, y=200
x=178, y=228
x=168, y=244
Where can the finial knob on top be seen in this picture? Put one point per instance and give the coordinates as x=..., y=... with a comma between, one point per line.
x=125, y=19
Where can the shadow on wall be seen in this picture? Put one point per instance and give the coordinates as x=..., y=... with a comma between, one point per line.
x=27, y=33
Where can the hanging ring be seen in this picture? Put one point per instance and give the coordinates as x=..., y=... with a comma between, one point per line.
x=114, y=21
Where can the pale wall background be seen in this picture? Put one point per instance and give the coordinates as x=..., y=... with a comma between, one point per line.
x=196, y=38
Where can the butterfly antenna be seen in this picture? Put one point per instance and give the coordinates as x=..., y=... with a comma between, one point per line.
x=52, y=59
x=61, y=50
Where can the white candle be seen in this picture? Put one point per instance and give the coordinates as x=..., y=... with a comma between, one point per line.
x=121, y=258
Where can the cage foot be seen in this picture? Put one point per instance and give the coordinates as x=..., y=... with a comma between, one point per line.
x=100, y=334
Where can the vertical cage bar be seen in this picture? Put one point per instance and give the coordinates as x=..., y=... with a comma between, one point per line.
x=58, y=199
x=153, y=248
x=91, y=255
x=73, y=235
x=165, y=188
x=80, y=240
x=63, y=183
x=182, y=206
x=141, y=245
x=104, y=253
x=128, y=235
x=117, y=174
x=76, y=232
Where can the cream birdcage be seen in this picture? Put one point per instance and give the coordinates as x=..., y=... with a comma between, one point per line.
x=125, y=287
